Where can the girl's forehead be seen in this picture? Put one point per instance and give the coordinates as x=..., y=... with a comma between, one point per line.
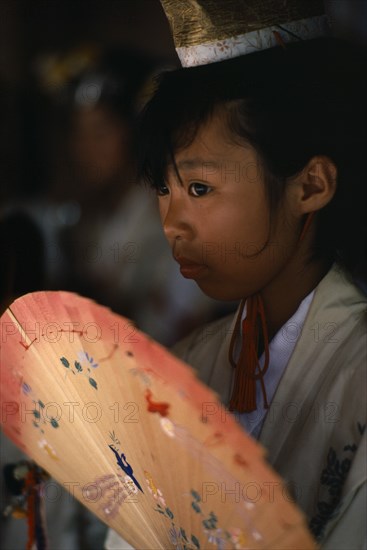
x=212, y=147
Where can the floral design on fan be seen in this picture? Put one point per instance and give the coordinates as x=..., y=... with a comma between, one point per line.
x=213, y=532
x=135, y=371
x=43, y=444
x=40, y=416
x=180, y=541
x=128, y=483
x=145, y=373
x=164, y=511
x=177, y=535
x=238, y=538
x=168, y=427
x=153, y=489
x=113, y=489
x=84, y=357
x=78, y=368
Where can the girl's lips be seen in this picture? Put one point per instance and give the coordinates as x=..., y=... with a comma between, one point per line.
x=192, y=271
x=189, y=269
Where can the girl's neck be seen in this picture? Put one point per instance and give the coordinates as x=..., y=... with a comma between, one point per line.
x=284, y=294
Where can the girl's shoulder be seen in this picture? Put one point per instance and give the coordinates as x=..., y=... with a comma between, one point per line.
x=337, y=315
x=215, y=331
x=210, y=335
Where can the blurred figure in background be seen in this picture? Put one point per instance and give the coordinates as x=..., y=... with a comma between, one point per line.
x=111, y=246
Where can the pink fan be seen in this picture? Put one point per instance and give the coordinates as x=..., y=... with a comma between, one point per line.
x=131, y=432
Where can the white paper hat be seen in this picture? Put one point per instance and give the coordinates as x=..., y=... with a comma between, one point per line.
x=207, y=31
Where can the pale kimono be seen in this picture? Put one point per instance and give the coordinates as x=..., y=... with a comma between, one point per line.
x=315, y=428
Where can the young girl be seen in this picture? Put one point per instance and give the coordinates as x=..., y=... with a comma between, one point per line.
x=259, y=167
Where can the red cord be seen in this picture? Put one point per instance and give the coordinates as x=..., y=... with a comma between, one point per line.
x=248, y=370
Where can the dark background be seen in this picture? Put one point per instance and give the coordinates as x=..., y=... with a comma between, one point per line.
x=29, y=28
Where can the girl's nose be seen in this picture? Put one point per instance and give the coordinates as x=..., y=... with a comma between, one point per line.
x=175, y=219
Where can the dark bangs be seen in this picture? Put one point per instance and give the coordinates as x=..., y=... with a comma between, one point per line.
x=268, y=96
x=185, y=100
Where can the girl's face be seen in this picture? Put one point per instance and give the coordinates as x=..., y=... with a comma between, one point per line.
x=217, y=218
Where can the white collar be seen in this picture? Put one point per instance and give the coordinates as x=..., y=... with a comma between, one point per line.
x=281, y=348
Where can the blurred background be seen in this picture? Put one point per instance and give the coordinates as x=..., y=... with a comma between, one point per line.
x=73, y=76
x=33, y=28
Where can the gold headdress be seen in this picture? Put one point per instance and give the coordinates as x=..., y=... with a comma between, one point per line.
x=206, y=31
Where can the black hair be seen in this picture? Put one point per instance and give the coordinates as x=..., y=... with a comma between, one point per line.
x=290, y=104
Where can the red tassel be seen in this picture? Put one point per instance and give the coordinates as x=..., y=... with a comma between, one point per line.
x=248, y=370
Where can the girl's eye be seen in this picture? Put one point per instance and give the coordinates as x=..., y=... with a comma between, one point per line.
x=162, y=189
x=199, y=189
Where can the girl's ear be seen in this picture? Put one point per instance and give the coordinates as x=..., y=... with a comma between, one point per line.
x=315, y=186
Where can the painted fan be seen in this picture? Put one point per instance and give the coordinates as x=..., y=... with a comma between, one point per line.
x=132, y=433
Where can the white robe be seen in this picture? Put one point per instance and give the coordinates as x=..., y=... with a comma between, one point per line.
x=314, y=431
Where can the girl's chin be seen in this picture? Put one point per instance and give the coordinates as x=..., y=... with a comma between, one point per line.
x=221, y=292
